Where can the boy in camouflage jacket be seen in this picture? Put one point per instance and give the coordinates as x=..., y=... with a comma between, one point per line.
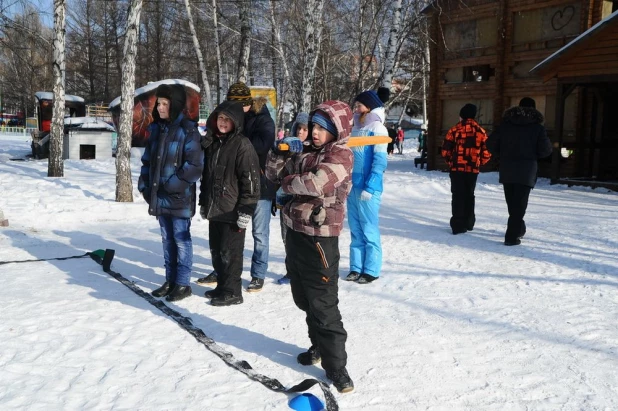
x=319, y=180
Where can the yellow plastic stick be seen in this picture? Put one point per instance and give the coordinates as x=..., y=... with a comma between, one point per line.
x=354, y=142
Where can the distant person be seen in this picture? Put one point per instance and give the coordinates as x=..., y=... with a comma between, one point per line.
x=367, y=186
x=519, y=141
x=400, y=138
x=259, y=128
x=392, y=133
x=464, y=151
x=319, y=179
x=299, y=130
x=229, y=193
x=422, y=148
x=280, y=134
x=171, y=165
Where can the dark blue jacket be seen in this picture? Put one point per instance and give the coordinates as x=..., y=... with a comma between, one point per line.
x=518, y=143
x=171, y=165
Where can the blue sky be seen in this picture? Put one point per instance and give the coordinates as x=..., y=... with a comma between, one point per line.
x=45, y=7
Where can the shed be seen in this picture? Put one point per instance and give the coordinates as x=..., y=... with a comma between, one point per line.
x=87, y=138
x=589, y=65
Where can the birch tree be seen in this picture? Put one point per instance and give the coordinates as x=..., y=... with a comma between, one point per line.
x=215, y=23
x=124, y=185
x=55, y=165
x=314, y=23
x=242, y=73
x=278, y=46
x=391, y=48
x=206, y=98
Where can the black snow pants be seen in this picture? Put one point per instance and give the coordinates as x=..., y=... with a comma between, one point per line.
x=313, y=267
x=516, y=196
x=227, y=243
x=462, y=204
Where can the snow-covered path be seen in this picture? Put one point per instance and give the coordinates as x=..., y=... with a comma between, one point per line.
x=455, y=323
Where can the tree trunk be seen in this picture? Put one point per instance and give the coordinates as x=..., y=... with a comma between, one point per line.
x=124, y=185
x=391, y=49
x=245, y=42
x=276, y=33
x=313, y=36
x=215, y=22
x=55, y=165
x=206, y=98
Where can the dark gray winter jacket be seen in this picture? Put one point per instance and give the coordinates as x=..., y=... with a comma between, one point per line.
x=231, y=177
x=518, y=143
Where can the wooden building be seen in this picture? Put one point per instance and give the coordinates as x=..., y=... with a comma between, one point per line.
x=483, y=51
x=589, y=66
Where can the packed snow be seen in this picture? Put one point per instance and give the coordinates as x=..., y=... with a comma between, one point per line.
x=454, y=323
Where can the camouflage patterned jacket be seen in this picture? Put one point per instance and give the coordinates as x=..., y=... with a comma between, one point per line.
x=319, y=179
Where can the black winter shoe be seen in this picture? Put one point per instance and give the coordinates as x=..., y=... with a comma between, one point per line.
x=459, y=231
x=164, y=290
x=353, y=276
x=517, y=241
x=178, y=293
x=309, y=357
x=209, y=279
x=255, y=285
x=212, y=293
x=341, y=380
x=226, y=299
x=366, y=279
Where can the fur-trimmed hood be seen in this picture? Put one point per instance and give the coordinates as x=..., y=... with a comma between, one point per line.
x=523, y=116
x=258, y=104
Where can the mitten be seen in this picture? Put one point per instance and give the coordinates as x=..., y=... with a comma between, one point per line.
x=365, y=196
x=203, y=212
x=243, y=220
x=294, y=145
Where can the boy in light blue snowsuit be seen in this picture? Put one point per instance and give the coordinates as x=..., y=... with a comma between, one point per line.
x=367, y=186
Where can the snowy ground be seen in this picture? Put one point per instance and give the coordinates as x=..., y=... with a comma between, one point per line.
x=454, y=323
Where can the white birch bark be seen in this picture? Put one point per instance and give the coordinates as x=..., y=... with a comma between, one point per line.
x=55, y=165
x=245, y=42
x=124, y=185
x=391, y=49
x=206, y=98
x=284, y=63
x=215, y=22
x=313, y=36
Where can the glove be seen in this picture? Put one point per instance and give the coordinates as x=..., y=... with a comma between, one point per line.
x=203, y=212
x=273, y=207
x=243, y=220
x=294, y=144
x=366, y=196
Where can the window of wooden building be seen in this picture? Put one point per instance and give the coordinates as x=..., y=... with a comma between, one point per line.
x=484, y=113
x=535, y=29
x=471, y=34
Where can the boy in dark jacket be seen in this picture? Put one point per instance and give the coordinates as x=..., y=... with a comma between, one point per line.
x=464, y=151
x=171, y=165
x=319, y=180
x=229, y=193
x=259, y=128
x=518, y=143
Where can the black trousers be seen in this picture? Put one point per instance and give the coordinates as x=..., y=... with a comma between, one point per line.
x=462, y=204
x=313, y=267
x=516, y=196
x=227, y=243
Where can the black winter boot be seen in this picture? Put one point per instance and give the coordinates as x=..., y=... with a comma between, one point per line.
x=341, y=380
x=209, y=279
x=353, y=276
x=255, y=285
x=226, y=299
x=212, y=293
x=178, y=293
x=164, y=290
x=309, y=357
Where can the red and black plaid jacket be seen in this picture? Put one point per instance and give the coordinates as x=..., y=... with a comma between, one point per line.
x=464, y=147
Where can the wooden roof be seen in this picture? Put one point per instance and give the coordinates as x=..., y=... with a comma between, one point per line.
x=592, y=53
